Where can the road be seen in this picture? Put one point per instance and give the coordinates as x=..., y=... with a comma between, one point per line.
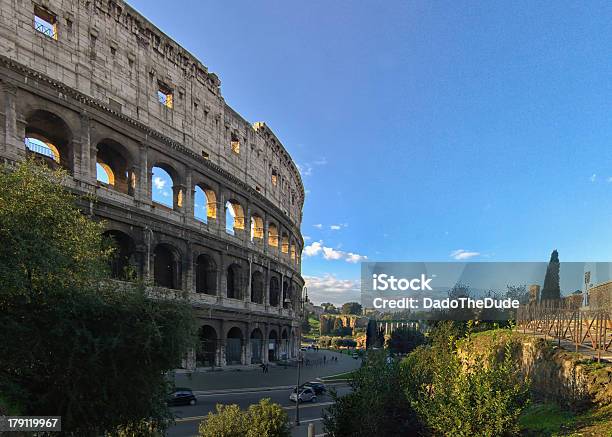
x=246, y=387
x=189, y=417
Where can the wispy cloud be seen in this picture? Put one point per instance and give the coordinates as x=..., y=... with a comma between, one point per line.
x=338, y=227
x=159, y=183
x=462, y=254
x=331, y=254
x=306, y=237
x=306, y=168
x=318, y=226
x=593, y=177
x=328, y=288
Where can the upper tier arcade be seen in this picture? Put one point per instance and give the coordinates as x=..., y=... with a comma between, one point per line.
x=110, y=53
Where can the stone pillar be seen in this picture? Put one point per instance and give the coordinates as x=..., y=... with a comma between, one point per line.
x=85, y=167
x=13, y=143
x=148, y=254
x=143, y=193
x=188, y=269
x=222, y=338
x=178, y=197
x=189, y=195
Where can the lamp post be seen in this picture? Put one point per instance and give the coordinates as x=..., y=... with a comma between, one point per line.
x=303, y=298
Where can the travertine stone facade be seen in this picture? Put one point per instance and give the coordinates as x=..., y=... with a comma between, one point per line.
x=90, y=83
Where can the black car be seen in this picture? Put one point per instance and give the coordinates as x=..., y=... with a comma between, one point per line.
x=182, y=396
x=318, y=387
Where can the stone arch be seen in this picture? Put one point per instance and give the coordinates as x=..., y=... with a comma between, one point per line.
x=205, y=203
x=272, y=235
x=49, y=138
x=234, y=281
x=167, y=266
x=115, y=166
x=162, y=175
x=274, y=291
x=206, y=355
x=257, y=228
x=257, y=346
x=284, y=344
x=234, y=217
x=257, y=287
x=272, y=345
x=286, y=296
x=206, y=274
x=293, y=251
x=233, y=346
x=285, y=243
x=122, y=261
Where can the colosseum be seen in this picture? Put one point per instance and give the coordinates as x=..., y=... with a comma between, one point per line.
x=95, y=88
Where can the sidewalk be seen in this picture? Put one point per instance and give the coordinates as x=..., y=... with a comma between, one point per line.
x=251, y=378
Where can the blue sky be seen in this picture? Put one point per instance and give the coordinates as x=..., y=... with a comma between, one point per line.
x=425, y=130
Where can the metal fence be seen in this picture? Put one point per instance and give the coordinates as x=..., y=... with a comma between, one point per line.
x=582, y=327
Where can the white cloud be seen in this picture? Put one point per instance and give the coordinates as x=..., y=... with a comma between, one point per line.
x=331, y=254
x=306, y=237
x=461, y=254
x=328, y=288
x=593, y=177
x=159, y=183
x=306, y=168
x=335, y=227
x=322, y=161
x=355, y=258
x=313, y=249
x=318, y=226
x=165, y=193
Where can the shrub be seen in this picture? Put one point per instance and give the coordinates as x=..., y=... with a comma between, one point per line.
x=405, y=340
x=264, y=419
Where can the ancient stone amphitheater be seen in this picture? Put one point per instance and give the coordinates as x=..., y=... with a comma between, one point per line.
x=95, y=88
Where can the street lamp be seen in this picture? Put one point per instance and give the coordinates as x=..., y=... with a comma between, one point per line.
x=301, y=301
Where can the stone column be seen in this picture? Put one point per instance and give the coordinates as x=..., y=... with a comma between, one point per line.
x=189, y=194
x=143, y=192
x=188, y=285
x=12, y=138
x=85, y=168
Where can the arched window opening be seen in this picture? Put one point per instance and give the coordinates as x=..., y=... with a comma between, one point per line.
x=257, y=287
x=233, y=346
x=234, y=283
x=293, y=252
x=113, y=167
x=162, y=187
x=206, y=275
x=48, y=138
x=272, y=235
x=44, y=148
x=274, y=291
x=286, y=297
x=257, y=227
x=207, y=353
x=205, y=204
x=256, y=346
x=234, y=217
x=121, y=261
x=235, y=144
x=166, y=267
x=285, y=243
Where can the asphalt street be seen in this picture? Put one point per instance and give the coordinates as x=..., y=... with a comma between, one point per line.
x=188, y=417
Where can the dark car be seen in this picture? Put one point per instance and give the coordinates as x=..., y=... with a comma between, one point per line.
x=318, y=387
x=182, y=396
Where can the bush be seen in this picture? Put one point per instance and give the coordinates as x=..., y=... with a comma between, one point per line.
x=471, y=395
x=405, y=340
x=264, y=419
x=375, y=406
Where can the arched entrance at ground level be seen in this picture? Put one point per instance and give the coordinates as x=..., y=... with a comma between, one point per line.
x=257, y=344
x=284, y=345
x=206, y=275
x=292, y=347
x=233, y=346
x=272, y=346
x=121, y=262
x=166, y=267
x=206, y=356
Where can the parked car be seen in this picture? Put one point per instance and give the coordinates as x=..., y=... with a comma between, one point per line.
x=355, y=355
x=318, y=387
x=182, y=396
x=307, y=394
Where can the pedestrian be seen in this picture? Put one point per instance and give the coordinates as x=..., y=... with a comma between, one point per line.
x=263, y=367
x=324, y=359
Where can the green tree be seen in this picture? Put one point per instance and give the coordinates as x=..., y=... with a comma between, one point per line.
x=375, y=406
x=72, y=344
x=329, y=308
x=351, y=308
x=551, y=289
x=264, y=419
x=405, y=340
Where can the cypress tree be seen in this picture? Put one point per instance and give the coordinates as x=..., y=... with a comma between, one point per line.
x=551, y=289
